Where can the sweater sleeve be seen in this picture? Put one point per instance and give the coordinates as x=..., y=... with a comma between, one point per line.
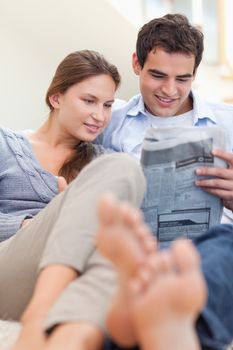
x=10, y=224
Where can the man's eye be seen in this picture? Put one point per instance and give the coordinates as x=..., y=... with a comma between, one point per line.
x=157, y=76
x=183, y=80
x=108, y=105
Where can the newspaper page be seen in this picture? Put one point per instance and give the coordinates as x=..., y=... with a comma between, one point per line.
x=173, y=205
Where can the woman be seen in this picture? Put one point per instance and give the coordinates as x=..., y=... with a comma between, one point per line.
x=80, y=98
x=50, y=263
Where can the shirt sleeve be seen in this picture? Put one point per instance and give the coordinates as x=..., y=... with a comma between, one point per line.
x=10, y=224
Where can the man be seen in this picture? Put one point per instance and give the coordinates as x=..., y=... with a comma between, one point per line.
x=168, y=53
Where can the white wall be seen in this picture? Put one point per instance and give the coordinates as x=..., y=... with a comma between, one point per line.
x=228, y=31
x=35, y=35
x=132, y=10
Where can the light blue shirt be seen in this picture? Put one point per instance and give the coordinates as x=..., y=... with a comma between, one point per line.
x=130, y=120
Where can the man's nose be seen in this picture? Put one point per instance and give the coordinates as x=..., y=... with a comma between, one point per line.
x=169, y=87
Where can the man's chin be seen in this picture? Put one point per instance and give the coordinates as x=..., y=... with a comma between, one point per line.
x=164, y=113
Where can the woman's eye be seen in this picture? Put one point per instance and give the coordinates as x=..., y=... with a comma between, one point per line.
x=182, y=80
x=88, y=101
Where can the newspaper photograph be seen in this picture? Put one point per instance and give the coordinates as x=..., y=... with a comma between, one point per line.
x=173, y=205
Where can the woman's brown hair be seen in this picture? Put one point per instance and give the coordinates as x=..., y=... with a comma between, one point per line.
x=75, y=68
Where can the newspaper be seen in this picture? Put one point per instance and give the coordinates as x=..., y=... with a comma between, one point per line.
x=173, y=205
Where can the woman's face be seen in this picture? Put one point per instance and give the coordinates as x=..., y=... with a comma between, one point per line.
x=84, y=110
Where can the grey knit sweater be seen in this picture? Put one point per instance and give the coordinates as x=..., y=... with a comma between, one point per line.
x=25, y=187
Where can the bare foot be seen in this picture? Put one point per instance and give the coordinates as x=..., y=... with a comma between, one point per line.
x=126, y=241
x=164, y=309
x=122, y=236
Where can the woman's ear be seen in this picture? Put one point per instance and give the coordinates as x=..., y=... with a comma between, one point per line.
x=136, y=65
x=55, y=100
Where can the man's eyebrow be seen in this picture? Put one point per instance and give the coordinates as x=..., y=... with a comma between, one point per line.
x=156, y=71
x=187, y=75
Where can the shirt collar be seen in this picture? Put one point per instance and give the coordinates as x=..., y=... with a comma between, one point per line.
x=138, y=107
x=201, y=109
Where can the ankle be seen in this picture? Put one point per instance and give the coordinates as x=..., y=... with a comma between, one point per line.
x=175, y=335
x=81, y=335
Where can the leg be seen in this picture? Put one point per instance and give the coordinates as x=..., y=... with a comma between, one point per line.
x=70, y=239
x=90, y=293
x=20, y=257
x=173, y=299
x=164, y=309
x=79, y=336
x=50, y=284
x=215, y=324
x=19, y=260
x=124, y=239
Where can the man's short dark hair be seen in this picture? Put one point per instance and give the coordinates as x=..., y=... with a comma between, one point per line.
x=173, y=33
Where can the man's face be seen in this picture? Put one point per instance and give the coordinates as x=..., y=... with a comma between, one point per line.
x=165, y=82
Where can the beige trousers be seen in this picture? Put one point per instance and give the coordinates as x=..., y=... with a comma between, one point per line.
x=64, y=233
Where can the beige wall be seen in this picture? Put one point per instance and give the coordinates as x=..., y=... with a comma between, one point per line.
x=35, y=35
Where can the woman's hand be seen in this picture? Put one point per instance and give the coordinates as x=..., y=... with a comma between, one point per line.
x=61, y=184
x=25, y=222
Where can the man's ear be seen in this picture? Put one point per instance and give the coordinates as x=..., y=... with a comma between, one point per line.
x=136, y=65
x=55, y=100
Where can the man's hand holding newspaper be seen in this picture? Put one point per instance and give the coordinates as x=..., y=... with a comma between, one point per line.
x=221, y=184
